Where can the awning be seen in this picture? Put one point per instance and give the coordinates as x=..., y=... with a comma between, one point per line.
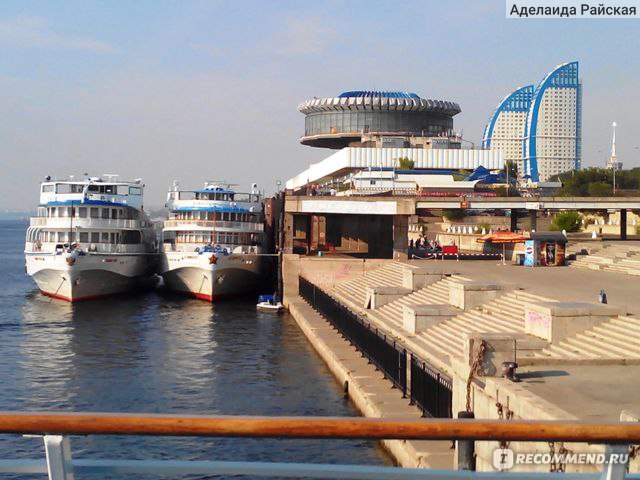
x=502, y=237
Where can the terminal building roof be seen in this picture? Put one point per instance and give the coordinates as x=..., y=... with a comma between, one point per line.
x=379, y=100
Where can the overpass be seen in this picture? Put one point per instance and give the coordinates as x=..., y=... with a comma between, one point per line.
x=540, y=203
x=378, y=225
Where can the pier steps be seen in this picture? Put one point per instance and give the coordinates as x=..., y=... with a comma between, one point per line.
x=620, y=258
x=355, y=291
x=445, y=340
x=615, y=339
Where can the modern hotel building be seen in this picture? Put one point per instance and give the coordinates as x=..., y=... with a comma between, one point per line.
x=540, y=129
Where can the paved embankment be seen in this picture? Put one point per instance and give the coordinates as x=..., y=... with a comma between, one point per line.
x=370, y=392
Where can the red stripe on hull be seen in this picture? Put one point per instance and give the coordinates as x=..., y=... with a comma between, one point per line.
x=74, y=300
x=206, y=297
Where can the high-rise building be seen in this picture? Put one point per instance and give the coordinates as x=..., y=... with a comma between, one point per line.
x=550, y=127
x=506, y=125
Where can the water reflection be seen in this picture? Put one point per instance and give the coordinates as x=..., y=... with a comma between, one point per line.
x=162, y=354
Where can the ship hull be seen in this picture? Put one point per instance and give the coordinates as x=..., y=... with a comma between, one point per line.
x=90, y=276
x=194, y=275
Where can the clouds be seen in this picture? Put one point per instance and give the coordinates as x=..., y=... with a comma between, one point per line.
x=35, y=32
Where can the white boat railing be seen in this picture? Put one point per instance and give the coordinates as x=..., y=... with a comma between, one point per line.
x=222, y=225
x=50, y=248
x=69, y=223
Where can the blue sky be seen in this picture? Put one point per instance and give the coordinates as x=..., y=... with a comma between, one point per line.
x=196, y=90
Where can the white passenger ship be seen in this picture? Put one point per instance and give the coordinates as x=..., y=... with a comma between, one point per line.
x=212, y=242
x=90, y=238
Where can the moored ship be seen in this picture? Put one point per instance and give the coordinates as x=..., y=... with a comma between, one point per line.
x=212, y=241
x=91, y=238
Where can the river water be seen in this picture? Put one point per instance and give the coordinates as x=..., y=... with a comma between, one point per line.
x=158, y=353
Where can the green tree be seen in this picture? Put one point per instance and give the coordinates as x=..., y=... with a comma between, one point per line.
x=405, y=164
x=600, y=189
x=592, y=181
x=569, y=221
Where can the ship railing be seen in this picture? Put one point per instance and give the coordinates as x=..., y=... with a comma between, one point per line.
x=59, y=463
x=215, y=225
x=60, y=248
x=77, y=222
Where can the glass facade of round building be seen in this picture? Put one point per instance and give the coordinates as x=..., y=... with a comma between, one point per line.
x=410, y=123
x=336, y=122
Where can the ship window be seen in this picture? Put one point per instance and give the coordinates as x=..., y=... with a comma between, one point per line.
x=82, y=212
x=93, y=188
x=114, y=213
x=105, y=237
x=62, y=236
x=95, y=237
x=94, y=212
x=48, y=188
x=105, y=213
x=186, y=195
x=109, y=189
x=122, y=190
x=52, y=212
x=121, y=213
x=135, y=191
x=84, y=237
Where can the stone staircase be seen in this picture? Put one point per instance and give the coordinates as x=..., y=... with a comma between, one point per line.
x=501, y=315
x=612, y=258
x=615, y=339
x=355, y=291
x=445, y=340
x=436, y=293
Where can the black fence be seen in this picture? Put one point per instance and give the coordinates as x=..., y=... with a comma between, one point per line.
x=389, y=358
x=428, y=388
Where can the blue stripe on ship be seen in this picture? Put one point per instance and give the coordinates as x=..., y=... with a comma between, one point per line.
x=213, y=209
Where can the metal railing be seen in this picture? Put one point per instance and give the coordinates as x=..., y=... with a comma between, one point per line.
x=385, y=354
x=428, y=388
x=215, y=225
x=59, y=463
x=83, y=222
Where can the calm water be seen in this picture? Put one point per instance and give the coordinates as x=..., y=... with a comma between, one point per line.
x=160, y=354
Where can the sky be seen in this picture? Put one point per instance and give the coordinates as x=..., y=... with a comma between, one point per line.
x=208, y=90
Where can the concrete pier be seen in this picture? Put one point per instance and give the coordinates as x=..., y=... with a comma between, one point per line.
x=577, y=358
x=366, y=386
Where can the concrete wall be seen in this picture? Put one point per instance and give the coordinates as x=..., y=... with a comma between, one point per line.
x=325, y=271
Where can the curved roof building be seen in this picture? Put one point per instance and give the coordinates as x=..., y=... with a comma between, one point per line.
x=552, y=132
x=338, y=122
x=539, y=128
x=505, y=128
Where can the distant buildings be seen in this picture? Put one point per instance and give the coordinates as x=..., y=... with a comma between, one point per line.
x=540, y=129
